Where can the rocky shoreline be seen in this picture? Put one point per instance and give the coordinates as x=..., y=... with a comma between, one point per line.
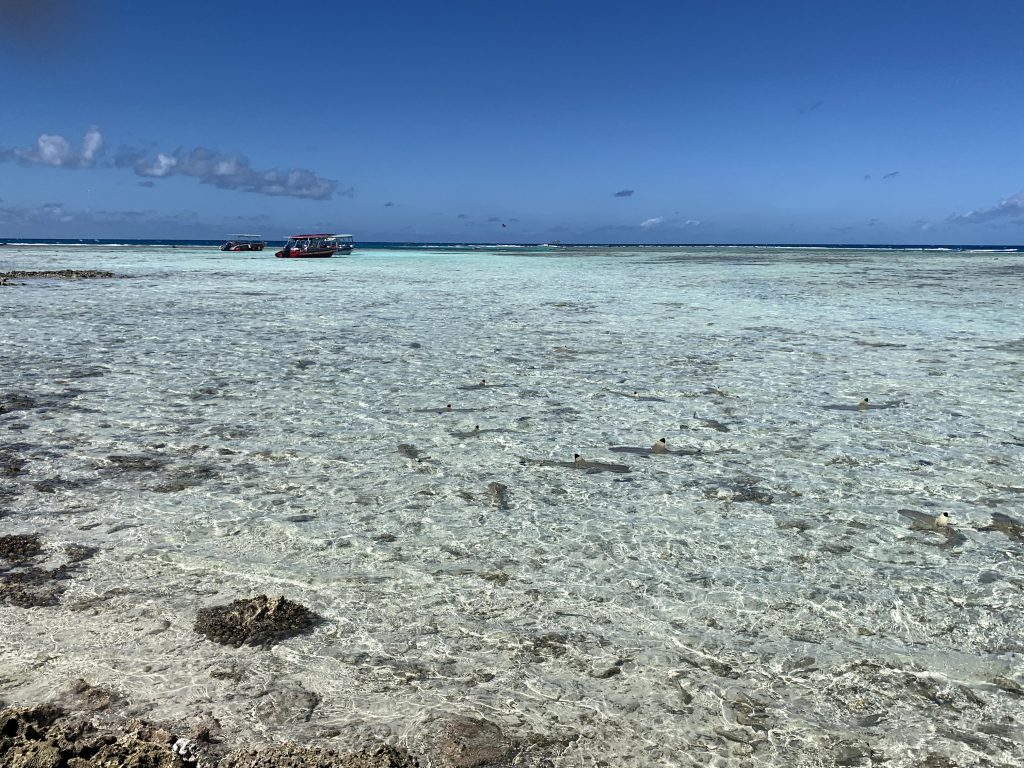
x=55, y=736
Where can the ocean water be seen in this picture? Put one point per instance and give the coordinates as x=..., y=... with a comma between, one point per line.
x=761, y=602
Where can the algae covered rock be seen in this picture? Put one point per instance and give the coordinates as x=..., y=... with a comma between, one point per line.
x=260, y=620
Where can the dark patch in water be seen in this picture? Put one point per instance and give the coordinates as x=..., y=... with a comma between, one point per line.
x=498, y=495
x=24, y=582
x=299, y=518
x=16, y=401
x=879, y=344
x=87, y=373
x=739, y=491
x=134, y=463
x=54, y=484
x=11, y=465
x=1010, y=346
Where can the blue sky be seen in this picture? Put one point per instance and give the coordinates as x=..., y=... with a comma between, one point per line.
x=674, y=122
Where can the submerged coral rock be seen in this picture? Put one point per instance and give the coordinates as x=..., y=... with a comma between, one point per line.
x=292, y=756
x=20, y=548
x=260, y=620
x=462, y=742
x=24, y=582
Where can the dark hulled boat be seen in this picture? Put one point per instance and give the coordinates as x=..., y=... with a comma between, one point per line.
x=316, y=246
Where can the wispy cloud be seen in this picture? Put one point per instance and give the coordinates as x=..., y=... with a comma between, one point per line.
x=228, y=171
x=222, y=170
x=61, y=220
x=45, y=214
x=891, y=175
x=1011, y=209
x=623, y=193
x=55, y=151
x=672, y=222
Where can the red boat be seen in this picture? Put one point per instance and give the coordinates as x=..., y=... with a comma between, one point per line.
x=243, y=243
x=316, y=246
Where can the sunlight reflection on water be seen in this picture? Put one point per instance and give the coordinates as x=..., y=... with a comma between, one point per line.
x=761, y=602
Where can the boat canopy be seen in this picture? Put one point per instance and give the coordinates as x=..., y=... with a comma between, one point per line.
x=247, y=237
x=316, y=234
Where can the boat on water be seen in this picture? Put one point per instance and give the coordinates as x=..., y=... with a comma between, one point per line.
x=244, y=243
x=316, y=246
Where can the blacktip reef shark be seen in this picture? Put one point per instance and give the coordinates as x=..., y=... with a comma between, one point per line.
x=635, y=395
x=447, y=409
x=922, y=521
x=658, y=449
x=714, y=424
x=476, y=432
x=1007, y=525
x=578, y=462
x=482, y=385
x=410, y=451
x=865, y=405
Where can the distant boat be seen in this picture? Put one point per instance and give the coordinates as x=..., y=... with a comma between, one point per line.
x=317, y=246
x=244, y=243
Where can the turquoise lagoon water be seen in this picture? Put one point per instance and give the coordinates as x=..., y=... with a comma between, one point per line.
x=761, y=603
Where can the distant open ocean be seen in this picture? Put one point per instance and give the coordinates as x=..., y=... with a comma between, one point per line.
x=457, y=246
x=211, y=426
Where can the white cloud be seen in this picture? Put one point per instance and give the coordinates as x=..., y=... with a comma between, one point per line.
x=161, y=165
x=652, y=222
x=92, y=144
x=55, y=151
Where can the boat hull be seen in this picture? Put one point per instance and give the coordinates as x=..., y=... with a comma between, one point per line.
x=297, y=254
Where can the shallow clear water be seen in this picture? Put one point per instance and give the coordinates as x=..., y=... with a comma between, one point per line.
x=761, y=603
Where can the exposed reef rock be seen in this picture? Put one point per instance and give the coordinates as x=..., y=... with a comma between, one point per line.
x=260, y=620
x=53, y=274
x=44, y=737
x=49, y=736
